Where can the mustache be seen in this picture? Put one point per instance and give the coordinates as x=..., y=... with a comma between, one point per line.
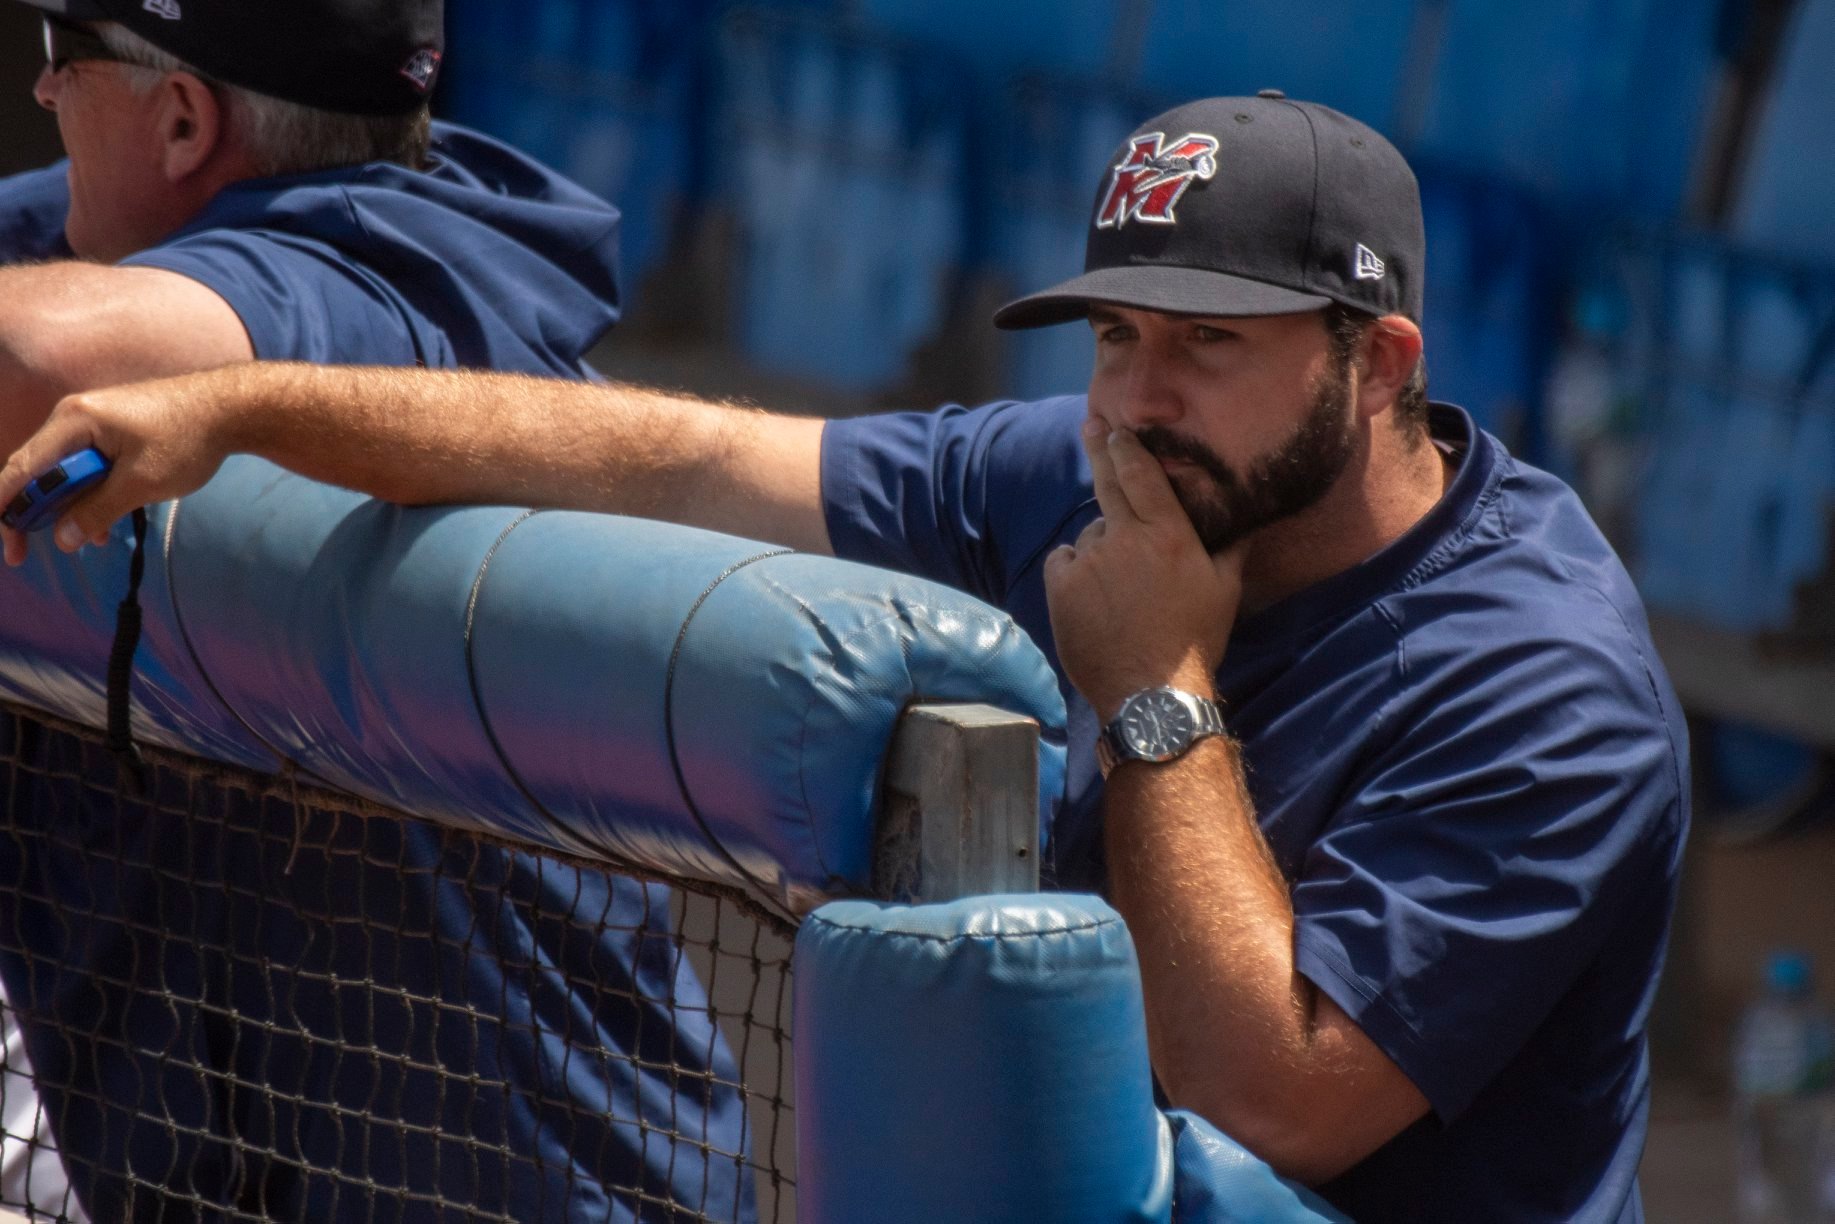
x=1162, y=443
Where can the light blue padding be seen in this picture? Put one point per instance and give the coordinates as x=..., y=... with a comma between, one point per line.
x=291, y=618
x=57, y=622
x=1218, y=1182
x=982, y=1060
x=790, y=681
x=986, y=1060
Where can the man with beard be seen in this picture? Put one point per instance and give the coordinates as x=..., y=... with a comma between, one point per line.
x=1369, y=742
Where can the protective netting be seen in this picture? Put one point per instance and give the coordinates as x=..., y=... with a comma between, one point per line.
x=245, y=999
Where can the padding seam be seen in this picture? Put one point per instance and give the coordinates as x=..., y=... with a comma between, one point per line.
x=471, y=671
x=169, y=549
x=976, y=936
x=762, y=892
x=608, y=857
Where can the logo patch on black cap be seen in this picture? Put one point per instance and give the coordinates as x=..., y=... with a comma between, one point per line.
x=1148, y=182
x=163, y=8
x=421, y=67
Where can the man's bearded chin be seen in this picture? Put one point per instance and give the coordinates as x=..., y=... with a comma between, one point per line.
x=1225, y=508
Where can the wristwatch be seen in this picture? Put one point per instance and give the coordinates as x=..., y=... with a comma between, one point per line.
x=1157, y=724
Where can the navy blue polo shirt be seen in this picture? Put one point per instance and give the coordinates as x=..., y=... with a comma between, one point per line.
x=1463, y=752
x=484, y=259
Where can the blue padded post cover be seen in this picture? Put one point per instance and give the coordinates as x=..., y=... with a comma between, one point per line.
x=594, y=684
x=986, y=1060
x=1219, y=1182
x=981, y=1060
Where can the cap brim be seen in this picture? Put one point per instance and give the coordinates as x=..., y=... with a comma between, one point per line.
x=72, y=10
x=1192, y=291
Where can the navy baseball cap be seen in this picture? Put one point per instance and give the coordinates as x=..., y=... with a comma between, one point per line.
x=363, y=57
x=1247, y=206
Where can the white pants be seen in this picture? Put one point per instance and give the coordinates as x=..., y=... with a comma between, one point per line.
x=30, y=1172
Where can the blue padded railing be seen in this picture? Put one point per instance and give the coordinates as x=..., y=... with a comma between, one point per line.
x=700, y=705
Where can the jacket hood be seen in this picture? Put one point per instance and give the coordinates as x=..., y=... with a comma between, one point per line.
x=500, y=254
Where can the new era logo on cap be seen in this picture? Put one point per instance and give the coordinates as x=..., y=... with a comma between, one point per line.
x=163, y=8
x=1369, y=267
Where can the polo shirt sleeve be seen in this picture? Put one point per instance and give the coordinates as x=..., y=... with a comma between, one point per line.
x=299, y=298
x=909, y=491
x=1527, y=795
x=967, y=497
x=32, y=210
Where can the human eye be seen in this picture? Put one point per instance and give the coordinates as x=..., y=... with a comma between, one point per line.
x=1110, y=330
x=1210, y=333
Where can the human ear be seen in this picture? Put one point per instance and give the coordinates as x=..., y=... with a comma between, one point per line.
x=189, y=125
x=1388, y=353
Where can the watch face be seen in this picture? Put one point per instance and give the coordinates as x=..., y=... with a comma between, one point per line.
x=1156, y=725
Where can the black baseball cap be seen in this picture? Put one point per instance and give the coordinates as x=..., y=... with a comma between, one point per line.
x=1247, y=206
x=364, y=57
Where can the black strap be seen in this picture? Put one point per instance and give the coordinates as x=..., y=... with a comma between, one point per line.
x=121, y=668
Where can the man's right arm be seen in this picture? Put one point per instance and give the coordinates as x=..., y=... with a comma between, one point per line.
x=69, y=326
x=419, y=437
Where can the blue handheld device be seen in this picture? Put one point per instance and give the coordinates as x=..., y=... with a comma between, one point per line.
x=45, y=498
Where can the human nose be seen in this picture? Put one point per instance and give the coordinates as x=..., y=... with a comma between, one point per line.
x=1149, y=393
x=45, y=89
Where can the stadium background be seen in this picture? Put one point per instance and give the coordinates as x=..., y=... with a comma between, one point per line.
x=1631, y=221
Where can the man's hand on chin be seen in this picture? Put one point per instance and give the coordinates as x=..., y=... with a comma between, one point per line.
x=1137, y=601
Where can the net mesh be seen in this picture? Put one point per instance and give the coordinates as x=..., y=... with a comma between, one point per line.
x=243, y=999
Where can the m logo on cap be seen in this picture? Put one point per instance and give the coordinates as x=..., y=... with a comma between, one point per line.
x=1148, y=182
x=163, y=8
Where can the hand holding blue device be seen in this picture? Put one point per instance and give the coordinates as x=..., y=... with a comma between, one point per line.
x=45, y=498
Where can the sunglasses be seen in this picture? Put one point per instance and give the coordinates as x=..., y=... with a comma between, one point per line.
x=67, y=42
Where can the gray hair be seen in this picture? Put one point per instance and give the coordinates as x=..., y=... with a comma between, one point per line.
x=285, y=137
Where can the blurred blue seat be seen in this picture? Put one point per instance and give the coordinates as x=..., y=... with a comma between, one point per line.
x=1607, y=101
x=1775, y=338
x=844, y=177
x=1738, y=433
x=1348, y=54
x=1048, y=148
x=602, y=90
x=1490, y=319
x=1013, y=36
x=1787, y=199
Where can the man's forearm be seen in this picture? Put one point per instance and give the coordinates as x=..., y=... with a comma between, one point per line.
x=1237, y=1034
x=417, y=436
x=434, y=436
x=1189, y=870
